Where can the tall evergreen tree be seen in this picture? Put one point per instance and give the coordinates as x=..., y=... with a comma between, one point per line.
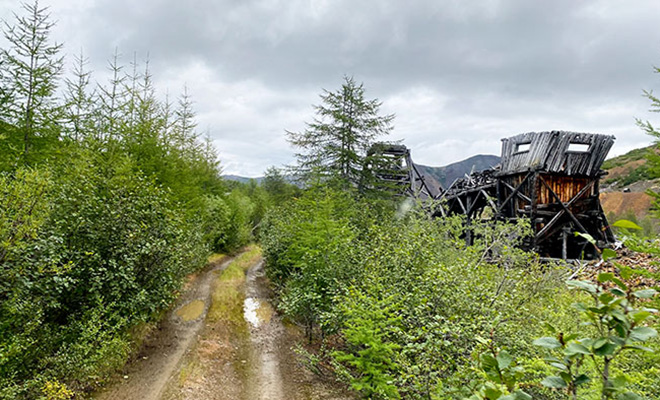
x=184, y=129
x=143, y=131
x=112, y=99
x=32, y=65
x=336, y=143
x=275, y=184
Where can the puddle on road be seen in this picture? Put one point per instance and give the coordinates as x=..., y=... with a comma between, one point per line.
x=256, y=311
x=191, y=311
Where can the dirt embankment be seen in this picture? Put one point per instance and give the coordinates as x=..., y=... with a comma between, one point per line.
x=618, y=203
x=624, y=170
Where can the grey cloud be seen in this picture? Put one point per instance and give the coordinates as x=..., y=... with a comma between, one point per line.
x=458, y=74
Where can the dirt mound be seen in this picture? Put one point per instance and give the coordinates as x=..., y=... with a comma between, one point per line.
x=645, y=269
x=619, y=203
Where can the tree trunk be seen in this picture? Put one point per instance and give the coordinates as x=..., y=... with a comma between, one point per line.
x=606, y=379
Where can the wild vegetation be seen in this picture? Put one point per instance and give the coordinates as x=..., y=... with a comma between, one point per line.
x=108, y=198
x=396, y=305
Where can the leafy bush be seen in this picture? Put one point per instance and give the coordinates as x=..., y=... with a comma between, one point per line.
x=405, y=295
x=88, y=252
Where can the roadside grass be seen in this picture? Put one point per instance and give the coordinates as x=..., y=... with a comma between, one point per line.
x=216, y=258
x=191, y=370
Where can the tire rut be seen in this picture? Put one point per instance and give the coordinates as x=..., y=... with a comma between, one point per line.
x=146, y=377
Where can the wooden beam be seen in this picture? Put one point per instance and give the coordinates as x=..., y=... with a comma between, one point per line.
x=515, y=191
x=522, y=196
x=565, y=207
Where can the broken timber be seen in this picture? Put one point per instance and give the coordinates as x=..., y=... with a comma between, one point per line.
x=549, y=178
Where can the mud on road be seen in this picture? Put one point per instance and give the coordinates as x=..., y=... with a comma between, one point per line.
x=246, y=351
x=147, y=375
x=225, y=341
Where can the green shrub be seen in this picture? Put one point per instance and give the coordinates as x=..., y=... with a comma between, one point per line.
x=88, y=251
x=351, y=267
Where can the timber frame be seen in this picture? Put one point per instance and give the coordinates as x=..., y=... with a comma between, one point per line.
x=550, y=178
x=393, y=169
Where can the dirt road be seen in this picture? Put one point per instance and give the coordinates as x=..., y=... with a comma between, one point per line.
x=146, y=377
x=224, y=342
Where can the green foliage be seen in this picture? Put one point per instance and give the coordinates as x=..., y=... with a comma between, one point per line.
x=652, y=157
x=108, y=199
x=277, y=188
x=497, y=375
x=371, y=360
x=308, y=243
x=23, y=210
x=404, y=301
x=239, y=229
x=405, y=295
x=615, y=325
x=32, y=66
x=216, y=223
x=633, y=155
x=100, y=250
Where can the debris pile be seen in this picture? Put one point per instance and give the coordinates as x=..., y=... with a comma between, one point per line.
x=646, y=267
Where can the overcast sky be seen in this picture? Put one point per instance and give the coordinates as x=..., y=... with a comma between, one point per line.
x=459, y=75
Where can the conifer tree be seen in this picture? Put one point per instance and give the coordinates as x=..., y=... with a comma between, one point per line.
x=184, y=132
x=145, y=121
x=33, y=65
x=78, y=110
x=167, y=114
x=111, y=101
x=276, y=185
x=335, y=144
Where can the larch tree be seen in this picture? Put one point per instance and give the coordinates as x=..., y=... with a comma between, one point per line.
x=111, y=104
x=32, y=67
x=335, y=144
x=185, y=134
x=78, y=101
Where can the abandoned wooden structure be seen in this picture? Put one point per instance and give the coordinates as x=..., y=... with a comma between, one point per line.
x=393, y=170
x=549, y=178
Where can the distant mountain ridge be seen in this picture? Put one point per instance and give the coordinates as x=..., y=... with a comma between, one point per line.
x=445, y=176
x=242, y=179
x=434, y=176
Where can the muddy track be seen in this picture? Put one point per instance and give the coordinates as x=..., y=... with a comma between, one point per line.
x=223, y=341
x=266, y=331
x=250, y=355
x=146, y=377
